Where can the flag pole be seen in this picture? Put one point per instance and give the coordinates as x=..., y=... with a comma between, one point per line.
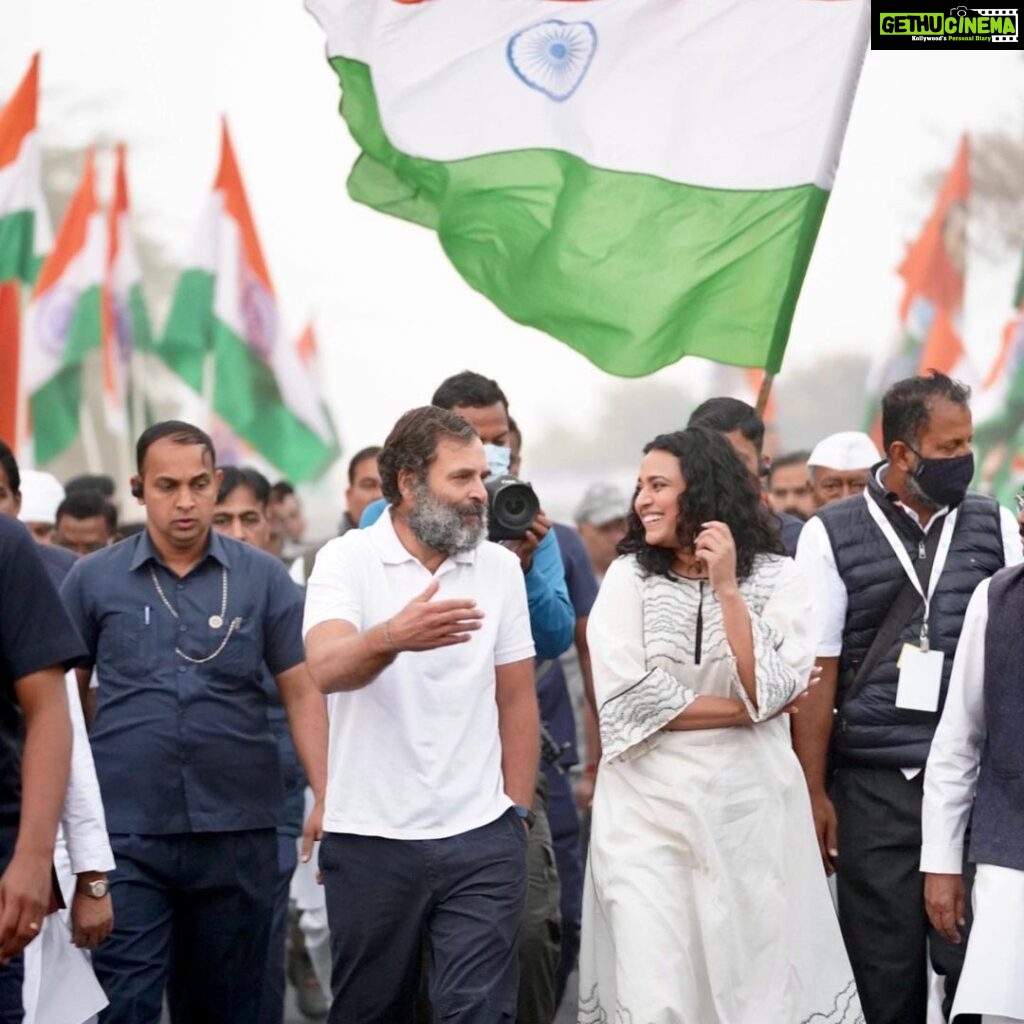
x=764, y=393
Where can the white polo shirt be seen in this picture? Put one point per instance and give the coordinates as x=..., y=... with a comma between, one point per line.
x=415, y=754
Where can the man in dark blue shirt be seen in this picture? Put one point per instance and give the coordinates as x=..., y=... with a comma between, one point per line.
x=179, y=622
x=37, y=644
x=57, y=560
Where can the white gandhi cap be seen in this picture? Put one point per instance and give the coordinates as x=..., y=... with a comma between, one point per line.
x=847, y=450
x=41, y=494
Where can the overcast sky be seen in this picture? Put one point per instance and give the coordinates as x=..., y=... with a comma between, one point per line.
x=393, y=317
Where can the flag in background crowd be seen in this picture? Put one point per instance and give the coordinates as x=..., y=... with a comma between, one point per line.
x=307, y=350
x=64, y=322
x=931, y=310
x=224, y=338
x=126, y=327
x=999, y=434
x=642, y=179
x=10, y=360
x=25, y=234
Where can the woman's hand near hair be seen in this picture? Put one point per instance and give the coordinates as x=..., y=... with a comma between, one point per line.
x=716, y=549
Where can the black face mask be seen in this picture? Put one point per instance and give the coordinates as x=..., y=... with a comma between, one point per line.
x=945, y=481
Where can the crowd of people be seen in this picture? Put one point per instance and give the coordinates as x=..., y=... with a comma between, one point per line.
x=741, y=748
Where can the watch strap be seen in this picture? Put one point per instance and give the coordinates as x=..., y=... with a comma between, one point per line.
x=526, y=814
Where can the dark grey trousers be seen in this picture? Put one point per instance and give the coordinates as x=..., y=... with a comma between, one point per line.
x=881, y=896
x=540, y=945
x=463, y=895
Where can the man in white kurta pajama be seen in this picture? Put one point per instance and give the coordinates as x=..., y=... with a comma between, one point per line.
x=975, y=762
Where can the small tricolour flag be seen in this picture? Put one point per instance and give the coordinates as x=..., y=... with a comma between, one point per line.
x=643, y=179
x=225, y=309
x=25, y=233
x=64, y=322
x=307, y=353
x=999, y=407
x=931, y=310
x=126, y=325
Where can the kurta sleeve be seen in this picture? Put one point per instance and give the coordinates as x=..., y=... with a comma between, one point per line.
x=85, y=824
x=783, y=640
x=634, y=701
x=951, y=775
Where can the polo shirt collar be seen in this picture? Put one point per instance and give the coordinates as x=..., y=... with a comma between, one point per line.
x=393, y=552
x=145, y=552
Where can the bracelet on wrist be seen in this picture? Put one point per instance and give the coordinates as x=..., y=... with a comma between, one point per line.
x=388, y=638
x=590, y=769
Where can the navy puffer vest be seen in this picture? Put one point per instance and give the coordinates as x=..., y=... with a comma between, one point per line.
x=997, y=829
x=870, y=729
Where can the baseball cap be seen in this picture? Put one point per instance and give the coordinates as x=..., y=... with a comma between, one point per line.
x=601, y=504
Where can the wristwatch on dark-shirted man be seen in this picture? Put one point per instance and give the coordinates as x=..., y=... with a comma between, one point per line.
x=97, y=890
x=526, y=814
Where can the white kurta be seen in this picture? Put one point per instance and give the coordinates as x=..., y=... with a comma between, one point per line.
x=705, y=899
x=60, y=986
x=992, y=981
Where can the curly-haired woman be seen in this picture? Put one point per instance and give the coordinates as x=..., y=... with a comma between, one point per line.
x=705, y=900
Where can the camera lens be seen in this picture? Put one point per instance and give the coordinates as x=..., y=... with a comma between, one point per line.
x=513, y=507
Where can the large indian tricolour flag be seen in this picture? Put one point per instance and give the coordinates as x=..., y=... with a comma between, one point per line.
x=643, y=179
x=224, y=338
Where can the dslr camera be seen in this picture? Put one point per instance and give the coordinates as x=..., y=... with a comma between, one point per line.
x=512, y=506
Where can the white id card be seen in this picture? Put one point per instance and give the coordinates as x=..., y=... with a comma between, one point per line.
x=920, y=679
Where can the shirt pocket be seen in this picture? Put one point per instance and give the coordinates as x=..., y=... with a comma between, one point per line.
x=242, y=654
x=133, y=644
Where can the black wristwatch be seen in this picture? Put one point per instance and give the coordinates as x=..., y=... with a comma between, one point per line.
x=526, y=814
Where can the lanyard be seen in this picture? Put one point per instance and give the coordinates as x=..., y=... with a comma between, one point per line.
x=945, y=539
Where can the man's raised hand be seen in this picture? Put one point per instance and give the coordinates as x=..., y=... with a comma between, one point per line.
x=425, y=624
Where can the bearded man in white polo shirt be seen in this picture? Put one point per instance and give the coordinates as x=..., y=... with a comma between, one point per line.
x=418, y=630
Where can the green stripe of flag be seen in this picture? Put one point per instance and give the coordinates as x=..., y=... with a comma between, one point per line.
x=246, y=395
x=632, y=270
x=18, y=259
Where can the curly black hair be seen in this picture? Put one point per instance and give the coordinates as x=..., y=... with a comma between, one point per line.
x=718, y=487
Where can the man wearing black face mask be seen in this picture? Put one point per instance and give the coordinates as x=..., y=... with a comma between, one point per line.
x=892, y=571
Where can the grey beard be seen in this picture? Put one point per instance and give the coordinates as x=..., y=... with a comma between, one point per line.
x=442, y=526
x=916, y=493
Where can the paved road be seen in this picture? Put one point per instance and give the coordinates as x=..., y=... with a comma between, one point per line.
x=566, y=1015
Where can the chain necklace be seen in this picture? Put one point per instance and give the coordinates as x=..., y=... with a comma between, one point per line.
x=214, y=621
